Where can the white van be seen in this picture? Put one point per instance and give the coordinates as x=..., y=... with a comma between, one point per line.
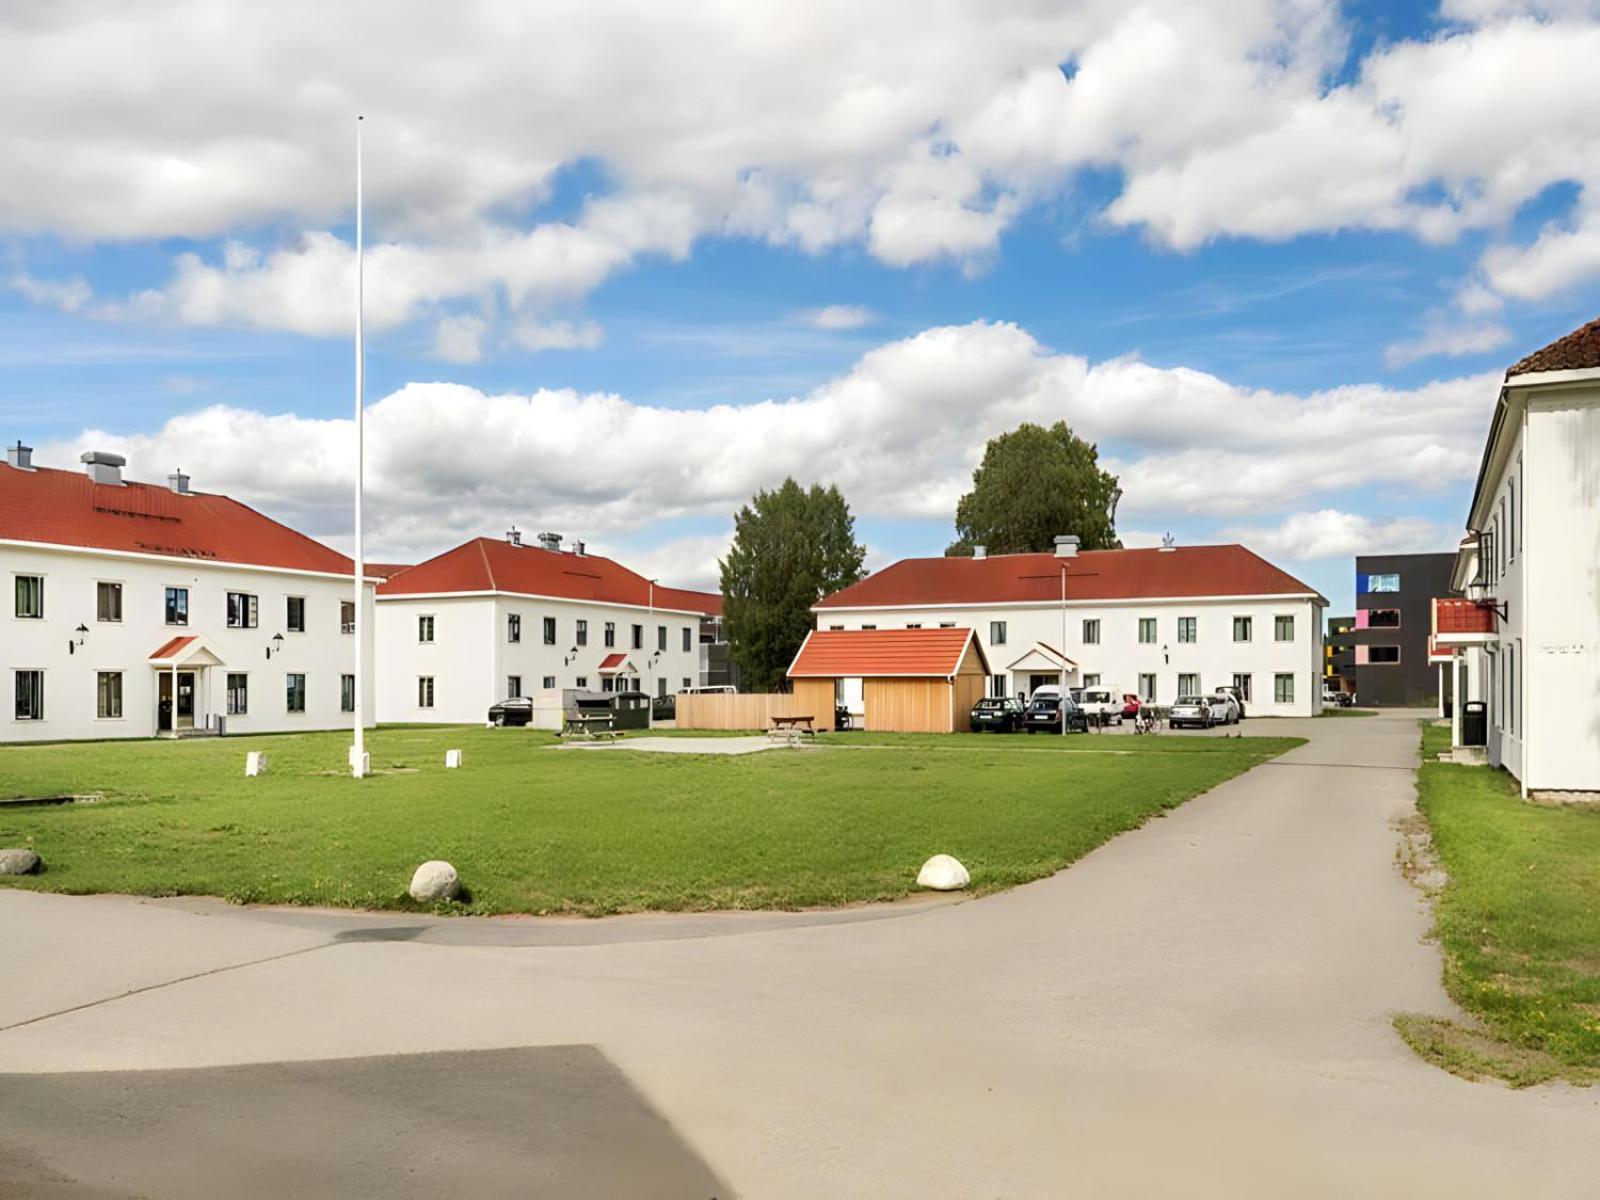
x=1104, y=703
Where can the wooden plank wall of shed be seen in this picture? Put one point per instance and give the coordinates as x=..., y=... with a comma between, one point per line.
x=908, y=705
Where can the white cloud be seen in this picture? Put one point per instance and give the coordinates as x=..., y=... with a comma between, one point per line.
x=69, y=295
x=1330, y=533
x=459, y=339
x=1443, y=339
x=447, y=462
x=558, y=335
x=838, y=316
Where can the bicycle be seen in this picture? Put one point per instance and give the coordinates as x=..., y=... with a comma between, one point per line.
x=1146, y=722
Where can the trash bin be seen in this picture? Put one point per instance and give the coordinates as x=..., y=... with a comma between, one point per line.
x=1475, y=723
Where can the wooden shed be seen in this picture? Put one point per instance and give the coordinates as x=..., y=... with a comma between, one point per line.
x=913, y=680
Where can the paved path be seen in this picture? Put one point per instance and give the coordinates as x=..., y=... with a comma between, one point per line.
x=1200, y=1007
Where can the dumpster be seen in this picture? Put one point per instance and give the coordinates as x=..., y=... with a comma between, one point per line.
x=1475, y=723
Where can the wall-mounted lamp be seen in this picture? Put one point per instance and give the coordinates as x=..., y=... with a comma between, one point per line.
x=82, y=631
x=277, y=644
x=1165, y=657
x=571, y=654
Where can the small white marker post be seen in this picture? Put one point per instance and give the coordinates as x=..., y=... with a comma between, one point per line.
x=452, y=759
x=255, y=763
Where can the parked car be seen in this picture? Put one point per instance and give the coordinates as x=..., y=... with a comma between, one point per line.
x=1232, y=713
x=1130, y=706
x=1002, y=714
x=1101, y=704
x=1330, y=698
x=1044, y=713
x=664, y=708
x=516, y=711
x=1200, y=711
x=1228, y=689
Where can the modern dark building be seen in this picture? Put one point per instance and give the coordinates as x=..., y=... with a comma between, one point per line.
x=1394, y=619
x=1339, y=655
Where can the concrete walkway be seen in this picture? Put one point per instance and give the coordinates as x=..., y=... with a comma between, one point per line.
x=1200, y=1008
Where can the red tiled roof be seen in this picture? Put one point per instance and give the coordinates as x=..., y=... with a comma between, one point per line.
x=1580, y=349
x=1229, y=570
x=612, y=661
x=171, y=647
x=66, y=508
x=874, y=653
x=495, y=565
x=384, y=570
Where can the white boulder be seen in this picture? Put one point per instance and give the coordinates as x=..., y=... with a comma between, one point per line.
x=435, y=880
x=943, y=874
x=18, y=862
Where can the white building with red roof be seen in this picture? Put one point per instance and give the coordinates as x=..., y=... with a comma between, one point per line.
x=137, y=609
x=1159, y=623
x=495, y=618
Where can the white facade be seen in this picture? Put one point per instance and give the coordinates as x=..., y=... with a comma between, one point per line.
x=447, y=657
x=101, y=683
x=1191, y=645
x=1537, y=510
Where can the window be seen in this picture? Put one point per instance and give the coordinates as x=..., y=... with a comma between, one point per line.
x=241, y=610
x=918, y=625
x=549, y=631
x=1091, y=632
x=1241, y=629
x=638, y=637
x=611, y=633
x=1091, y=681
x=1383, y=618
x=1188, y=685
x=661, y=638
x=1186, y=629
x=997, y=686
x=108, y=602
x=513, y=627
x=347, y=616
x=347, y=693
x=947, y=624
x=687, y=685
x=688, y=639
x=1283, y=689
x=661, y=688
x=869, y=627
x=997, y=633
x=1383, y=583
x=1242, y=683
x=581, y=682
x=1147, y=687
x=30, y=596
x=1511, y=524
x=1511, y=686
x=424, y=629
x=424, y=691
x=1383, y=654
x=607, y=684
x=177, y=606
x=238, y=695
x=513, y=686
x=549, y=681
x=295, y=693
x=1283, y=628
x=582, y=634
x=1500, y=523
x=295, y=614
x=835, y=628
x=30, y=696
x=1147, y=631
x=108, y=695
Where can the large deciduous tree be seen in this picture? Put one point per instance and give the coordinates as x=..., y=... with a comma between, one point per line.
x=1033, y=484
x=791, y=546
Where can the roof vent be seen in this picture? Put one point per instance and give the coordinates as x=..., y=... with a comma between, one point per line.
x=104, y=467
x=179, y=482
x=550, y=541
x=20, y=456
x=1168, y=542
x=514, y=536
x=980, y=552
x=1067, y=545
x=577, y=547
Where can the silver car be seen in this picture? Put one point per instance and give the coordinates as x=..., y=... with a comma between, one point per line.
x=1200, y=711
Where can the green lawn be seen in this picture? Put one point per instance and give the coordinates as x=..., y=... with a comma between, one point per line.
x=1519, y=924
x=533, y=829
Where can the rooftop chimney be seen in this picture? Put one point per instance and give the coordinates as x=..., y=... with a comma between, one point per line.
x=577, y=547
x=550, y=541
x=980, y=552
x=514, y=536
x=20, y=456
x=178, y=481
x=104, y=467
x=1067, y=545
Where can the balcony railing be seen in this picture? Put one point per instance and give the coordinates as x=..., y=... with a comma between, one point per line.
x=1461, y=621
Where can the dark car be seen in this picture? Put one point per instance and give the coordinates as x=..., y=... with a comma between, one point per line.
x=1003, y=714
x=516, y=711
x=1044, y=713
x=664, y=708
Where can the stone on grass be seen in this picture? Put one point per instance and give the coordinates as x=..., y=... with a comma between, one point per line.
x=435, y=880
x=18, y=862
x=943, y=874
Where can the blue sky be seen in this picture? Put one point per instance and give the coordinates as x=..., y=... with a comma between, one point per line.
x=1320, y=275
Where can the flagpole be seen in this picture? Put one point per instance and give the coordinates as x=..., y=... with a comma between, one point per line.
x=358, y=755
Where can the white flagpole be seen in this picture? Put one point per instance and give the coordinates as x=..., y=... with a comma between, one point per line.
x=358, y=756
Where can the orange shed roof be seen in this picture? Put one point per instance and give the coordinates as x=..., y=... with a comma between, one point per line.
x=880, y=653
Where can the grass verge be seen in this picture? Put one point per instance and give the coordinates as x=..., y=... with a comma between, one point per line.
x=539, y=830
x=1518, y=921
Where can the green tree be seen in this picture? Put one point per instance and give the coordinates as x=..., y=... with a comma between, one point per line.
x=791, y=546
x=1033, y=484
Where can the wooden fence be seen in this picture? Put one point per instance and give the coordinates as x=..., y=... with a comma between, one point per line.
x=755, y=710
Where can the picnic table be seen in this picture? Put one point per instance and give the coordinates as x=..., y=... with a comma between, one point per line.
x=793, y=729
x=590, y=727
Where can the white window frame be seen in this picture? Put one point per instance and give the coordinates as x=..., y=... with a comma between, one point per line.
x=425, y=692
x=1282, y=694
x=230, y=694
x=16, y=680
x=100, y=695
x=1277, y=627
x=249, y=610
x=119, y=592
x=16, y=595
x=431, y=627
x=288, y=692
x=1194, y=631
x=169, y=613
x=288, y=619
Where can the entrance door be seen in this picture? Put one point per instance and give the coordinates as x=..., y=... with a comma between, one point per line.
x=185, y=704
